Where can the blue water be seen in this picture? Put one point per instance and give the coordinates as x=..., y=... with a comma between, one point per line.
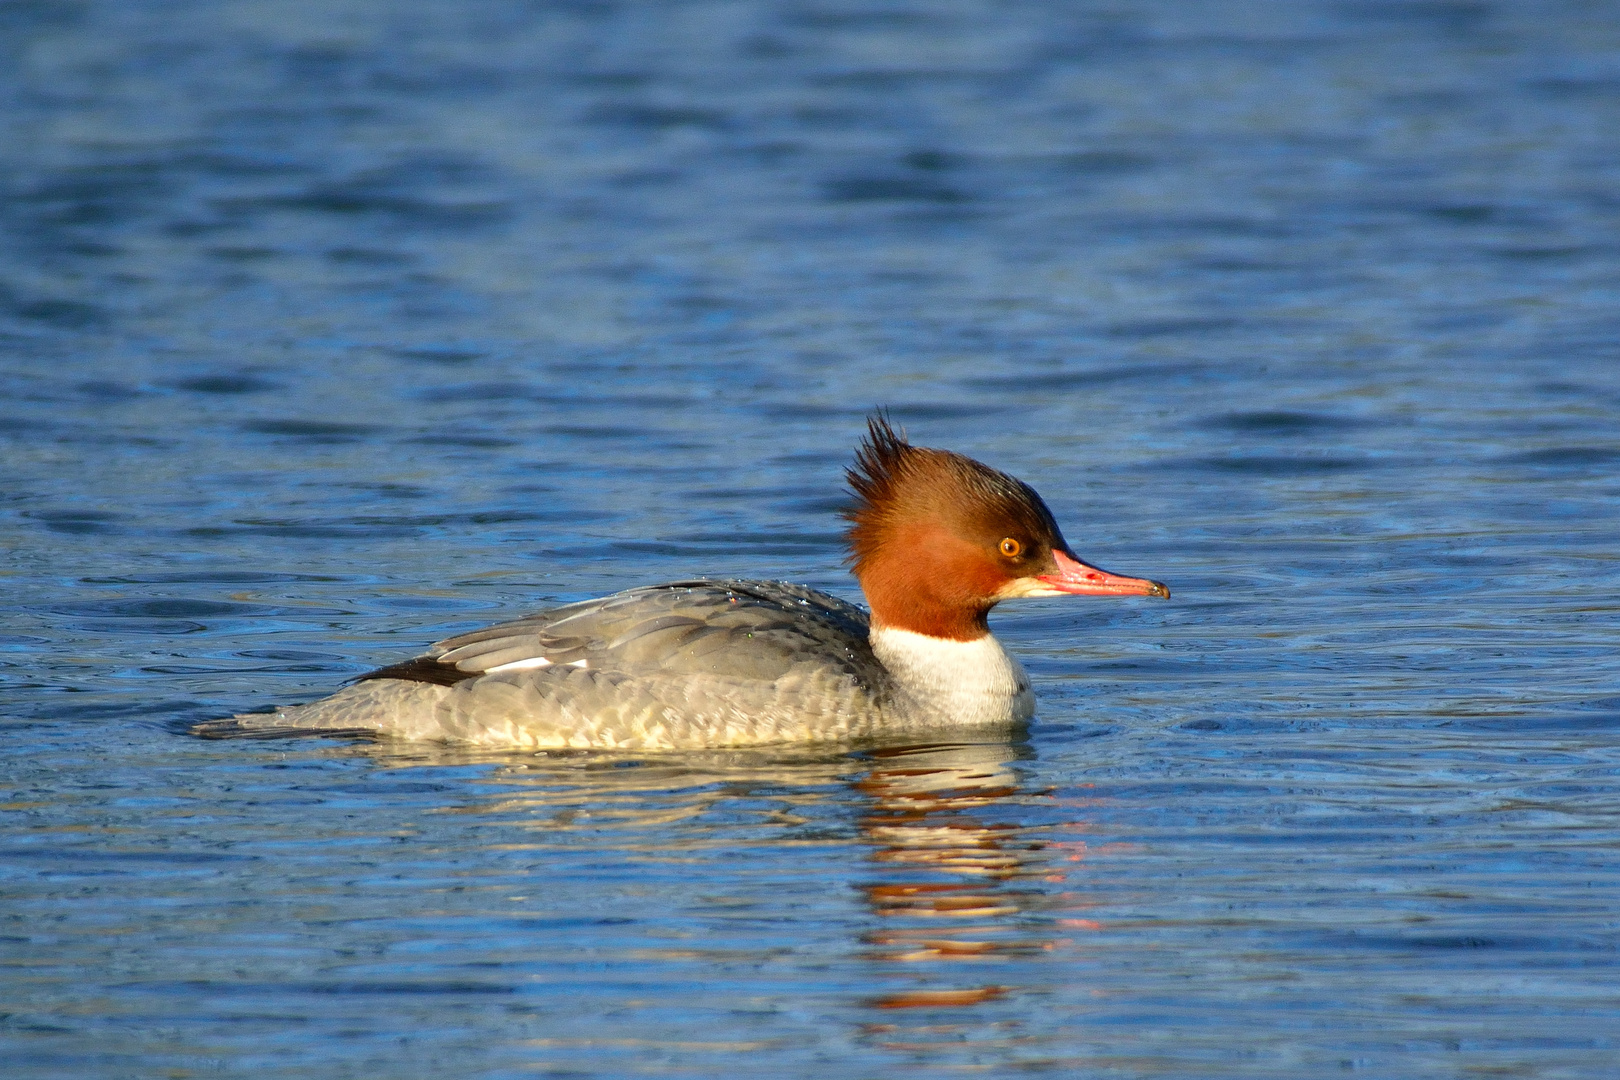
x=330, y=329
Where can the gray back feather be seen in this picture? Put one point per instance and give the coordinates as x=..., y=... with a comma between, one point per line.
x=686, y=628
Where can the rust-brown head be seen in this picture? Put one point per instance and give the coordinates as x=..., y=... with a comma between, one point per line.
x=937, y=540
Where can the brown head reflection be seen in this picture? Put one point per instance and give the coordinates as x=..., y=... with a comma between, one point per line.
x=958, y=884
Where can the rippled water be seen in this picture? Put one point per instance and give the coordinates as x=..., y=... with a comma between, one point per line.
x=329, y=329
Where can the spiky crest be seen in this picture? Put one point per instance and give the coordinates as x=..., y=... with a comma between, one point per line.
x=880, y=464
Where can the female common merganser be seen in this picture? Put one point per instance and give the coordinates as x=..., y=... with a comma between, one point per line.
x=936, y=541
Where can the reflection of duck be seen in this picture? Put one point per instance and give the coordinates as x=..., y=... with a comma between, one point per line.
x=938, y=540
x=925, y=827
x=907, y=889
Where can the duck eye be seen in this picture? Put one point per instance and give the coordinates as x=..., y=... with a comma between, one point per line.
x=1011, y=548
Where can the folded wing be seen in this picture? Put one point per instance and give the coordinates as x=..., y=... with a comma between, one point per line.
x=735, y=630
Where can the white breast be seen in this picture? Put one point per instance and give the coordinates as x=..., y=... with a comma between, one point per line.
x=962, y=682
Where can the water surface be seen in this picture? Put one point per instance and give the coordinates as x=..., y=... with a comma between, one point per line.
x=330, y=329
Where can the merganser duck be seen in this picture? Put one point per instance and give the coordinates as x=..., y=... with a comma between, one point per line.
x=936, y=540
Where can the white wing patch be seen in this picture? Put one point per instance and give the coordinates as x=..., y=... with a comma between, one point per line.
x=520, y=665
x=532, y=662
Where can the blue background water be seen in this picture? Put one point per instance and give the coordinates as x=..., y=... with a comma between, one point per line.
x=329, y=329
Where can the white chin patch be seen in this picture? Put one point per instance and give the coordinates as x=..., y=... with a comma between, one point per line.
x=1027, y=586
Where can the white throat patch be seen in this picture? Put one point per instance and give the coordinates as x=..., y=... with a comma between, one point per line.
x=960, y=682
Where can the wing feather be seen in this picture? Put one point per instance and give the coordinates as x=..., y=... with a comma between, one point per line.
x=750, y=630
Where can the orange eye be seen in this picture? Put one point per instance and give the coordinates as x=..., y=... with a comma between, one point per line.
x=1011, y=548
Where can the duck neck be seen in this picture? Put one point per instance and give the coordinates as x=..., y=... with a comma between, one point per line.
x=921, y=581
x=952, y=682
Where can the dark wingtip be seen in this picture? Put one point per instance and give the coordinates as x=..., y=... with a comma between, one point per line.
x=423, y=669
